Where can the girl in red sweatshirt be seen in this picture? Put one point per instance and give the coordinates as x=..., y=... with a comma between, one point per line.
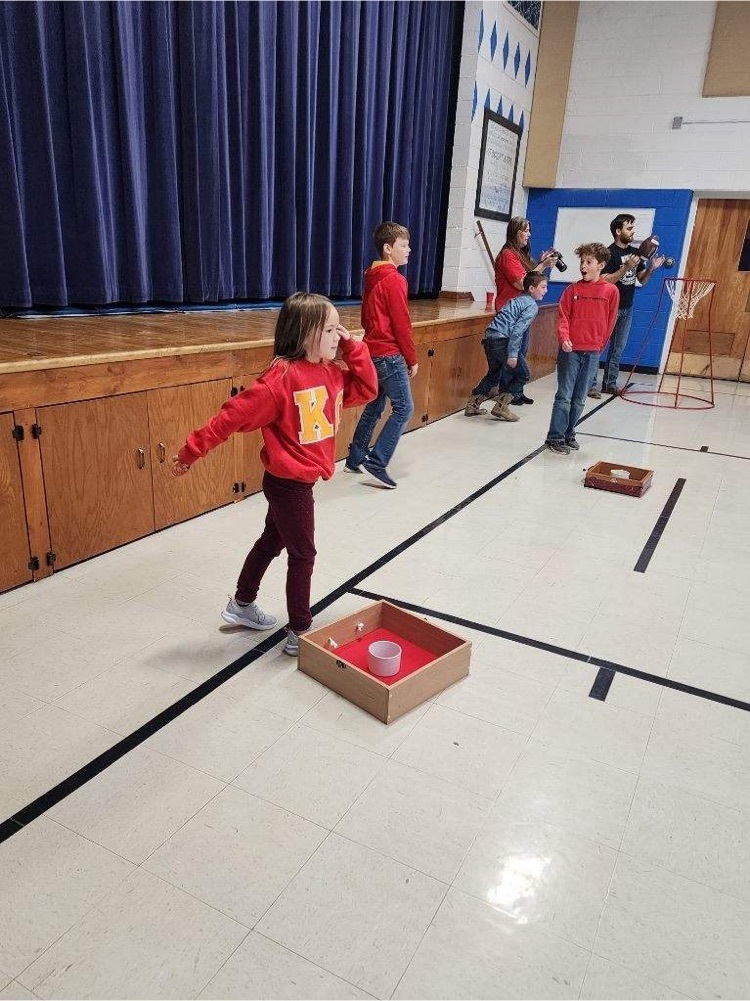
x=297, y=404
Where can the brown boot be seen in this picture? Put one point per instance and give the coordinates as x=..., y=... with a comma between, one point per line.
x=474, y=406
x=502, y=410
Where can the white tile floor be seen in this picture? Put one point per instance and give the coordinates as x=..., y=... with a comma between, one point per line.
x=512, y=838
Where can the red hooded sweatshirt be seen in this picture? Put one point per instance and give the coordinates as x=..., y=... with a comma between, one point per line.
x=297, y=404
x=385, y=313
x=587, y=314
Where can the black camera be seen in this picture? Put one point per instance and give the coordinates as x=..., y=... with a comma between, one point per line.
x=560, y=263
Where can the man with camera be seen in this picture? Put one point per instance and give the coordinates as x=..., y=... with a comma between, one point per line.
x=625, y=265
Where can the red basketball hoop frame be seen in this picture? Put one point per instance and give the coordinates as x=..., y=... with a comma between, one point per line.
x=685, y=294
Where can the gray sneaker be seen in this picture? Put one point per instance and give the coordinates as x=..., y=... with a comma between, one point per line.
x=558, y=446
x=291, y=646
x=249, y=616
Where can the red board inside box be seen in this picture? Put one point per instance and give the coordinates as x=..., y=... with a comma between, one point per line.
x=412, y=656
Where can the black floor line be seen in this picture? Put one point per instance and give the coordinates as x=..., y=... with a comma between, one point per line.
x=602, y=684
x=661, y=523
x=656, y=444
x=113, y=754
x=559, y=651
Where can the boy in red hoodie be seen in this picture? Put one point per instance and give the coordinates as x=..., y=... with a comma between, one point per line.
x=388, y=335
x=586, y=317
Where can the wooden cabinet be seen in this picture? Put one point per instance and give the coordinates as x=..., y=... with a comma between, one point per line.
x=456, y=367
x=172, y=414
x=97, y=476
x=91, y=469
x=420, y=386
x=14, y=539
x=248, y=469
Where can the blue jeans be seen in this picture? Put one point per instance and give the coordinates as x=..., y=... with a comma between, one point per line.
x=507, y=380
x=393, y=385
x=615, y=348
x=574, y=372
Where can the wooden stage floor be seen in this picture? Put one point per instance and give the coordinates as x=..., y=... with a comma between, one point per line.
x=28, y=345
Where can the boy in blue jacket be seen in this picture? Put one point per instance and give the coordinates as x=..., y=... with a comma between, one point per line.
x=504, y=343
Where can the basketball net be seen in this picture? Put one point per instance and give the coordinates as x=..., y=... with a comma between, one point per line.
x=685, y=294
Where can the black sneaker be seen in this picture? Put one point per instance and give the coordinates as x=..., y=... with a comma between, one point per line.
x=351, y=469
x=380, y=474
x=572, y=444
x=526, y=399
x=517, y=401
x=558, y=446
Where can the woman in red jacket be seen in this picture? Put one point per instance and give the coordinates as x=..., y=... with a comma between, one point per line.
x=297, y=404
x=514, y=261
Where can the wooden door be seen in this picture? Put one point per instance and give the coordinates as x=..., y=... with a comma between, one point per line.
x=419, y=392
x=173, y=413
x=716, y=246
x=457, y=366
x=14, y=538
x=95, y=458
x=248, y=469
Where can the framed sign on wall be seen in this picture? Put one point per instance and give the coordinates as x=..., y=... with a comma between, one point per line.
x=498, y=162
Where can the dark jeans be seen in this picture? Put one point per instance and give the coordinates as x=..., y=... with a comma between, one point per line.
x=290, y=525
x=615, y=348
x=393, y=385
x=507, y=380
x=574, y=372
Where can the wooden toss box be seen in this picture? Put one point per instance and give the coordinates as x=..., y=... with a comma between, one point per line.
x=432, y=659
x=600, y=476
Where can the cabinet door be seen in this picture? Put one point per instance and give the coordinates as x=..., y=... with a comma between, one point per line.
x=419, y=391
x=96, y=474
x=456, y=368
x=420, y=386
x=248, y=469
x=173, y=414
x=14, y=539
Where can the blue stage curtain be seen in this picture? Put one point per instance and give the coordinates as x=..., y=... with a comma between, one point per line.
x=196, y=152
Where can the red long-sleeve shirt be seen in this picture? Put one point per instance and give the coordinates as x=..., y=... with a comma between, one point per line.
x=385, y=313
x=297, y=405
x=587, y=314
x=509, y=269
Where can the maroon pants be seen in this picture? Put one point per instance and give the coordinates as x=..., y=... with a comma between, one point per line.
x=290, y=525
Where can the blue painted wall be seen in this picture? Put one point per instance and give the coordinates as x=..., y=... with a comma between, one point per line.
x=672, y=208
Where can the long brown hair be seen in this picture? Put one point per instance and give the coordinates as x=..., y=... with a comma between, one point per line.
x=303, y=317
x=516, y=224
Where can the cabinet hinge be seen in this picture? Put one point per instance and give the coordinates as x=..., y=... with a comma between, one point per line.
x=425, y=418
x=33, y=563
x=18, y=432
x=235, y=488
x=243, y=487
x=233, y=391
x=51, y=557
x=430, y=352
x=35, y=430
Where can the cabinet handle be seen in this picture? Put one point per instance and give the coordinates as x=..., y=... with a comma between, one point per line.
x=140, y=457
x=162, y=451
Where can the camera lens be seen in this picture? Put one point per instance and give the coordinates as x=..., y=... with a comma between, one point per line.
x=560, y=264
